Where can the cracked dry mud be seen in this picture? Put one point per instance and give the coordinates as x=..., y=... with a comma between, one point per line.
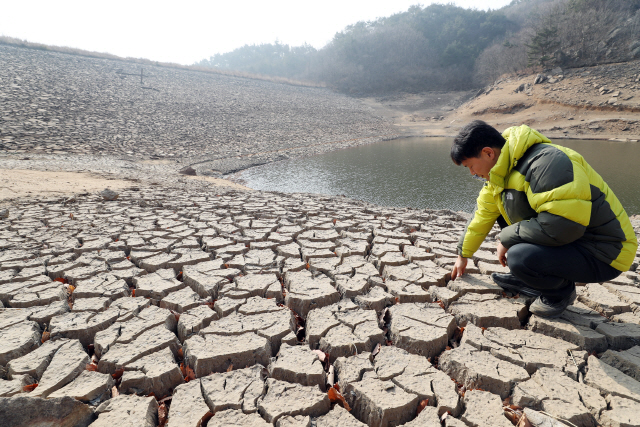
x=250, y=289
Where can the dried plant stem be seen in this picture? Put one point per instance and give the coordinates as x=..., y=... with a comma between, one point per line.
x=572, y=358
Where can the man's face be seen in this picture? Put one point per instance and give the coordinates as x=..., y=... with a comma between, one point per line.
x=481, y=165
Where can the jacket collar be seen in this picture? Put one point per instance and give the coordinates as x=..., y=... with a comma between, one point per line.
x=518, y=140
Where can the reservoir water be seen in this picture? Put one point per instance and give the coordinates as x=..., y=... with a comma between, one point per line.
x=418, y=173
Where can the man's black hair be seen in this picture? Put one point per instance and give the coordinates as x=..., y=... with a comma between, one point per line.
x=472, y=139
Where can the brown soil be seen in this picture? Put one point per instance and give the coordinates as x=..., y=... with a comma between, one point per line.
x=21, y=183
x=589, y=103
x=17, y=183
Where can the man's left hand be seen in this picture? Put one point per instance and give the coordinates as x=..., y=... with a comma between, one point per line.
x=502, y=254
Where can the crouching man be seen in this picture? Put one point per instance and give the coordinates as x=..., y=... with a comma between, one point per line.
x=560, y=221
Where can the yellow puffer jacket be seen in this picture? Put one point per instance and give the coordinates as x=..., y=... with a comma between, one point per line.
x=549, y=195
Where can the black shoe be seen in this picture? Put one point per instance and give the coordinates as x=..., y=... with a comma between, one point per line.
x=511, y=283
x=551, y=307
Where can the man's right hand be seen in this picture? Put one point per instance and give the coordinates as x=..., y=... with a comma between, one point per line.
x=459, y=267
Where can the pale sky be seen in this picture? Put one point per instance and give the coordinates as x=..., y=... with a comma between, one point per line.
x=190, y=30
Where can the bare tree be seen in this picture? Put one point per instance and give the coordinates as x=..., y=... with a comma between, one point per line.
x=505, y=57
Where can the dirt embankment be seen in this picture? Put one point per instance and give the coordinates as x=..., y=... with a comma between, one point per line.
x=53, y=103
x=599, y=102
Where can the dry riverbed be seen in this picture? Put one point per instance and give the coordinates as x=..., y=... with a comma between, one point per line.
x=184, y=300
x=111, y=305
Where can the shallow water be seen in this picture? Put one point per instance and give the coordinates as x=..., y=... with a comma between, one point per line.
x=418, y=173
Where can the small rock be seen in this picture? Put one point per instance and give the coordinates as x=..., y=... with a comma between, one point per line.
x=188, y=171
x=25, y=411
x=540, y=78
x=109, y=195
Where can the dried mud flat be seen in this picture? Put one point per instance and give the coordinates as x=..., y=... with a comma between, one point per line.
x=110, y=304
x=185, y=301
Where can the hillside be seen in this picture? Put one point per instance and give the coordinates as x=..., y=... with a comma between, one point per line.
x=600, y=102
x=56, y=103
x=443, y=47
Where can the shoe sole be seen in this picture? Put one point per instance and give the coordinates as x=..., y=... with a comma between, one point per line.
x=516, y=289
x=553, y=315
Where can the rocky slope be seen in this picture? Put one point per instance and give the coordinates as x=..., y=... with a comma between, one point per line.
x=56, y=103
x=600, y=102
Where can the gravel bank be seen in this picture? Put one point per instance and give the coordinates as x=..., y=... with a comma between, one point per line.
x=54, y=103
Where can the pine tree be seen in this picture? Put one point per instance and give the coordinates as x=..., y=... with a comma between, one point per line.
x=543, y=46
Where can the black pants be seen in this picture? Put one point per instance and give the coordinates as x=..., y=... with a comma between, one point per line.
x=552, y=269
